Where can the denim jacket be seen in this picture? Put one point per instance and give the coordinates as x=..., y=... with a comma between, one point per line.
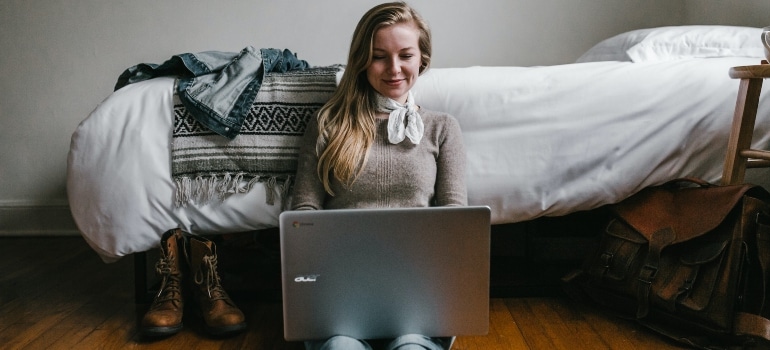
x=217, y=88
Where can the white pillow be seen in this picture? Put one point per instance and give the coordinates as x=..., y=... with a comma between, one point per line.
x=614, y=48
x=677, y=42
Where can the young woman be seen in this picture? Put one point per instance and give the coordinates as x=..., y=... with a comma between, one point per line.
x=372, y=146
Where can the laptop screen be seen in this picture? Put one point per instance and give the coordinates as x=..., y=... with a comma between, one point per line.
x=380, y=273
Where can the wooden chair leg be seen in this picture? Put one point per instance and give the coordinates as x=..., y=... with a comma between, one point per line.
x=742, y=130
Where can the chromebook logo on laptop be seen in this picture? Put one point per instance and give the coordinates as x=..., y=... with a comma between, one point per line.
x=306, y=278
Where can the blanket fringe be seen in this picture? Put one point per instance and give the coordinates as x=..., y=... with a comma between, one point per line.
x=205, y=188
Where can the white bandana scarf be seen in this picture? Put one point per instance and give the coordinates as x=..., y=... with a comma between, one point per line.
x=398, y=129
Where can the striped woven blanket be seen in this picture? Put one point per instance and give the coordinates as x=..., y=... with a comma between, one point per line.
x=206, y=166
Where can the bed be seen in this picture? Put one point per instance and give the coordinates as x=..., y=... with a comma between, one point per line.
x=636, y=110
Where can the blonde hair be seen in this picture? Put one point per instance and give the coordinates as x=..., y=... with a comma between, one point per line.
x=346, y=123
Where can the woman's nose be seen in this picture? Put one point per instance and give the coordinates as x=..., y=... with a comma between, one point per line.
x=393, y=66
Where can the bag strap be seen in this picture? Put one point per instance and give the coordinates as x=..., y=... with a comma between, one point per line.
x=762, y=255
x=754, y=324
x=751, y=325
x=658, y=241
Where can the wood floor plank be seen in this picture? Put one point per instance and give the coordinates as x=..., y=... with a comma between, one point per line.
x=116, y=332
x=52, y=338
x=42, y=303
x=503, y=332
x=51, y=283
x=625, y=334
x=22, y=334
x=545, y=321
x=565, y=320
x=91, y=314
x=71, y=338
x=535, y=334
x=265, y=329
x=47, y=297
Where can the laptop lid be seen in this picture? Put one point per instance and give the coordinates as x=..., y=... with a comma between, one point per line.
x=382, y=273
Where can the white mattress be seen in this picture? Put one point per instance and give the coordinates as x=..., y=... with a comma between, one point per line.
x=540, y=141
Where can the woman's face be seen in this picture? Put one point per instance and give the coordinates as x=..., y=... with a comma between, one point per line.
x=395, y=60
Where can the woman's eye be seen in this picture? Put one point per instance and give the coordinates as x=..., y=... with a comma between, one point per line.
x=378, y=57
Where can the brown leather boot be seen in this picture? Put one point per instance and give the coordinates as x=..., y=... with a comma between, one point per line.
x=220, y=315
x=165, y=314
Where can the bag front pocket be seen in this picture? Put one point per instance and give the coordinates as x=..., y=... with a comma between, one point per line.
x=689, y=273
x=619, y=252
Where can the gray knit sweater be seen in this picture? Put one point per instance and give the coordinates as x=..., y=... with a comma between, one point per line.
x=401, y=175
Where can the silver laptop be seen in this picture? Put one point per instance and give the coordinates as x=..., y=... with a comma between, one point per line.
x=381, y=273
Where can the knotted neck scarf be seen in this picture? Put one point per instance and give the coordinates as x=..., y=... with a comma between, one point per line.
x=403, y=119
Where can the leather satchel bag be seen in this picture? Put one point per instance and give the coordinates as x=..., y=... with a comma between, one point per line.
x=687, y=259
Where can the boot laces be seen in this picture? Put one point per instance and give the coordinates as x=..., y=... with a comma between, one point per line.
x=211, y=278
x=169, y=285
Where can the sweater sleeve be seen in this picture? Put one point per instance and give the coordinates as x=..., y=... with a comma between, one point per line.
x=450, y=175
x=309, y=193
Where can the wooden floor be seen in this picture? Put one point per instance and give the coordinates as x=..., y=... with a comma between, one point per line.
x=55, y=293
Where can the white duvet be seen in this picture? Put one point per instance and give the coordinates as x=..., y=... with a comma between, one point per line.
x=541, y=141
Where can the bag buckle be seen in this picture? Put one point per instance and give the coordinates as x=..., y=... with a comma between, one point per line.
x=647, y=273
x=606, y=259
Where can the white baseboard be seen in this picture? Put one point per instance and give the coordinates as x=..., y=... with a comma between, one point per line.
x=35, y=218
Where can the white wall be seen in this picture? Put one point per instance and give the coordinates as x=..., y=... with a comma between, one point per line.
x=60, y=58
x=752, y=13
